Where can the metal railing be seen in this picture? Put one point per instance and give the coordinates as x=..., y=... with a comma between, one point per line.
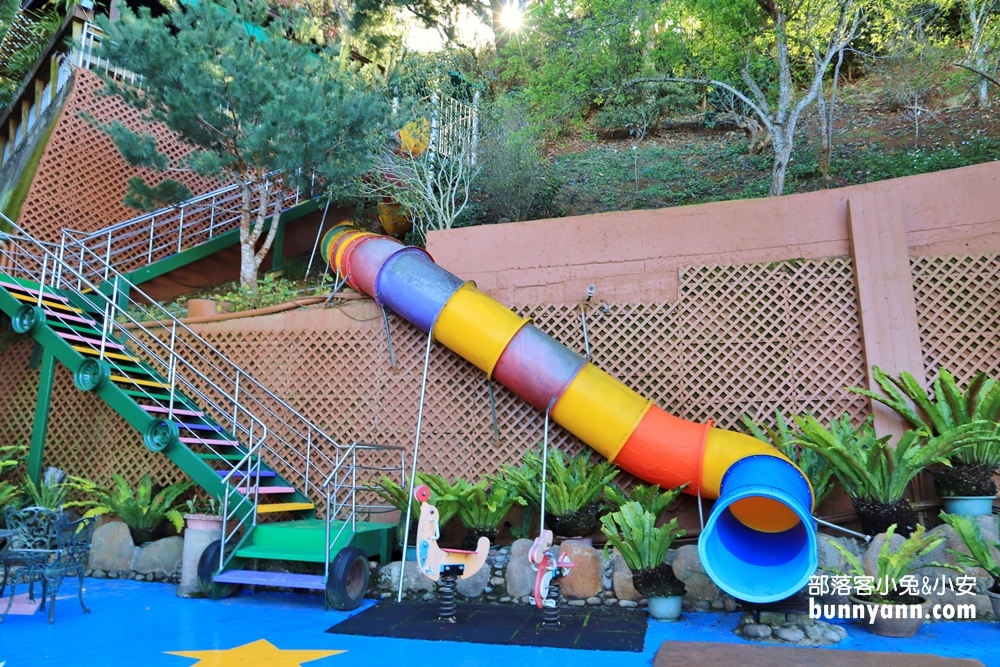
x=134, y=326
x=140, y=241
x=90, y=42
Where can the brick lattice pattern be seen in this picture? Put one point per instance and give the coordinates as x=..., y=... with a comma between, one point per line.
x=958, y=311
x=81, y=178
x=740, y=339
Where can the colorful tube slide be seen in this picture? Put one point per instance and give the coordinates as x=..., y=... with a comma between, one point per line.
x=759, y=541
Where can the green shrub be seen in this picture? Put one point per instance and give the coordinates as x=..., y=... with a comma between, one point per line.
x=894, y=564
x=633, y=532
x=651, y=498
x=573, y=489
x=979, y=549
x=943, y=411
x=784, y=439
x=141, y=510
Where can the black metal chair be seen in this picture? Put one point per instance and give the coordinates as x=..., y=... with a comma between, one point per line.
x=31, y=532
x=51, y=566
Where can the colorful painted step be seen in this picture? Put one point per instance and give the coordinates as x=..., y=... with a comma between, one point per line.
x=164, y=410
x=268, y=490
x=200, y=427
x=140, y=383
x=282, y=579
x=91, y=341
x=282, y=553
x=222, y=457
x=13, y=283
x=209, y=441
x=47, y=303
x=274, y=508
x=108, y=355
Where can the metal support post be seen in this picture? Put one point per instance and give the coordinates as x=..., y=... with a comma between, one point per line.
x=41, y=424
x=493, y=412
x=319, y=235
x=545, y=463
x=278, y=247
x=413, y=467
x=388, y=339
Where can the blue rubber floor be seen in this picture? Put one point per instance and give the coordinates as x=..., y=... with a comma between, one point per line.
x=146, y=624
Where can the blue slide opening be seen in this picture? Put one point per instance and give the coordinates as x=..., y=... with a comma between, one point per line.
x=754, y=565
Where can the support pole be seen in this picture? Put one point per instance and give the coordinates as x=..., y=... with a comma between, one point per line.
x=319, y=234
x=413, y=467
x=41, y=425
x=388, y=338
x=545, y=464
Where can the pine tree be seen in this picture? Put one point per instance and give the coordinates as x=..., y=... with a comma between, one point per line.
x=226, y=79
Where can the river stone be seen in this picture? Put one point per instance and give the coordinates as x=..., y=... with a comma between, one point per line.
x=111, y=548
x=159, y=557
x=757, y=631
x=584, y=579
x=687, y=562
x=474, y=586
x=700, y=588
x=791, y=634
x=413, y=579
x=622, y=579
x=520, y=576
x=830, y=558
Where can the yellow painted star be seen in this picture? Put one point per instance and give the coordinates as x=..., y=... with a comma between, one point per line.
x=260, y=653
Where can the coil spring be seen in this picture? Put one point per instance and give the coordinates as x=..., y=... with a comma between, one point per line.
x=550, y=615
x=447, y=587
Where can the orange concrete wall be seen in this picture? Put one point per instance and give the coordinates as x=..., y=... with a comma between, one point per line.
x=635, y=255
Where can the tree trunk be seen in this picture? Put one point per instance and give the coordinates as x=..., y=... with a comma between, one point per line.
x=782, y=156
x=248, y=269
x=824, y=135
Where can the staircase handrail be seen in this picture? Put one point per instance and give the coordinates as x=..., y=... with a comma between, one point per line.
x=139, y=241
x=157, y=320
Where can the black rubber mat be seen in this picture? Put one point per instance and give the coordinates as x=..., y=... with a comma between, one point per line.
x=590, y=628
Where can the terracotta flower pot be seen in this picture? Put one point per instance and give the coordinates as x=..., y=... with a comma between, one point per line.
x=892, y=627
x=202, y=522
x=995, y=603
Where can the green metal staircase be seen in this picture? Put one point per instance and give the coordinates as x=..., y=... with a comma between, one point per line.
x=242, y=444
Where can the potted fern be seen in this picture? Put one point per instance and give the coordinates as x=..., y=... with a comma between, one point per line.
x=395, y=495
x=633, y=532
x=966, y=486
x=143, y=512
x=573, y=490
x=875, y=474
x=786, y=440
x=651, y=498
x=481, y=507
x=892, y=566
x=979, y=552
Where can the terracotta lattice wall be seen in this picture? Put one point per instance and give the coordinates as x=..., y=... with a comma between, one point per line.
x=740, y=339
x=958, y=310
x=81, y=179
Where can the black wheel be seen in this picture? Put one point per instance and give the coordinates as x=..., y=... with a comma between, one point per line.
x=348, y=580
x=207, y=565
